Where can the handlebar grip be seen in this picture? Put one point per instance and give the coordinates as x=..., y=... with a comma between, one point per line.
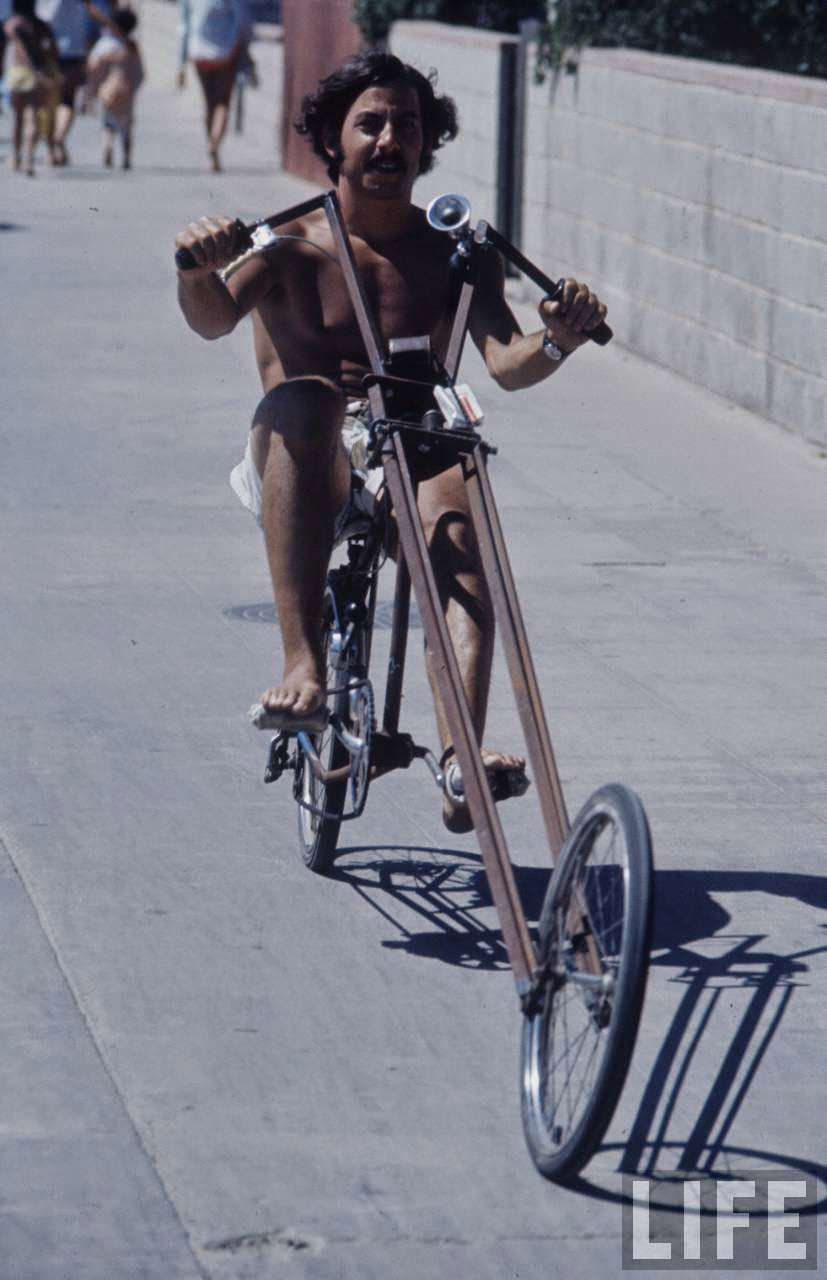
x=602, y=334
x=185, y=261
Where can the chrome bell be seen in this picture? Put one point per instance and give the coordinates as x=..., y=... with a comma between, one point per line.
x=451, y=213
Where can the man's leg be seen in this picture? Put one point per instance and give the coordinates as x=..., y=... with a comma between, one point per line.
x=18, y=106
x=217, y=84
x=108, y=146
x=74, y=72
x=30, y=134
x=305, y=472
x=469, y=614
x=126, y=145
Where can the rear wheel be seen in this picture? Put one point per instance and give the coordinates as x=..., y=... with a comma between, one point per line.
x=595, y=933
x=319, y=830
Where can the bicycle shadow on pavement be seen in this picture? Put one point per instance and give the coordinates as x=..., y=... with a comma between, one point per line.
x=693, y=936
x=448, y=889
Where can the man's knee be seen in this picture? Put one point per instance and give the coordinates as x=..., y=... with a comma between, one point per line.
x=451, y=541
x=447, y=523
x=303, y=411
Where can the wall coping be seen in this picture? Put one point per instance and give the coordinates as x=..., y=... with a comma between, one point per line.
x=807, y=91
x=447, y=33
x=755, y=81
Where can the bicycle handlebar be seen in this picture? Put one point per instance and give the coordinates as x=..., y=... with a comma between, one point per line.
x=553, y=288
x=185, y=261
x=245, y=238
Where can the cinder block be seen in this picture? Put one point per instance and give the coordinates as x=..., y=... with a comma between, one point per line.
x=799, y=400
x=789, y=134
x=798, y=336
x=802, y=204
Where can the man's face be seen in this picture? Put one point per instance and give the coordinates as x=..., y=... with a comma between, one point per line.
x=381, y=141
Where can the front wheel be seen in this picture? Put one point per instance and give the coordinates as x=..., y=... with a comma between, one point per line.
x=595, y=936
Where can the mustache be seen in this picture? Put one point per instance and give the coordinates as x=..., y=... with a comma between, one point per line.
x=385, y=161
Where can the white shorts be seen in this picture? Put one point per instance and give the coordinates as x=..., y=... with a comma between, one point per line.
x=364, y=482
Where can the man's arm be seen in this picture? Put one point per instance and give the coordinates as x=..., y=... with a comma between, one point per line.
x=211, y=307
x=514, y=359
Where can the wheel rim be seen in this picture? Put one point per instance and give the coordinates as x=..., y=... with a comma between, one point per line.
x=362, y=718
x=313, y=791
x=568, y=1040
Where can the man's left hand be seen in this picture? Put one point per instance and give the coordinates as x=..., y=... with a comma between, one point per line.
x=570, y=317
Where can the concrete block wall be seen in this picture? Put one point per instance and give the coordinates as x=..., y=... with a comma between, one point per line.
x=694, y=197
x=468, y=65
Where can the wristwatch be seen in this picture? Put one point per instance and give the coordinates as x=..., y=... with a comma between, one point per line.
x=551, y=349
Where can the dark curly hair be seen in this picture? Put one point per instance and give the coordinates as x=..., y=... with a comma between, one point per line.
x=325, y=109
x=125, y=20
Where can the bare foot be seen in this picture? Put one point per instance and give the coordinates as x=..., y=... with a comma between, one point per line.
x=457, y=817
x=215, y=163
x=300, y=691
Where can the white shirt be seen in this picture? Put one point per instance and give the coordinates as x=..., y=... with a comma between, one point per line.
x=212, y=28
x=70, y=23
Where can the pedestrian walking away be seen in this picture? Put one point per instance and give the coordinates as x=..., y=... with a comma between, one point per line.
x=115, y=72
x=33, y=80
x=214, y=36
x=72, y=30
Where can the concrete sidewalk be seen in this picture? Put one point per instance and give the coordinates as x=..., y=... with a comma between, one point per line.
x=217, y=1065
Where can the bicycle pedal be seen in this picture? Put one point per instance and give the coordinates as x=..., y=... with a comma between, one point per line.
x=286, y=722
x=278, y=758
x=505, y=784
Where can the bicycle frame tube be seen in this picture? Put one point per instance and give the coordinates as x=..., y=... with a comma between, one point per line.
x=367, y=326
x=487, y=825
x=514, y=640
x=398, y=646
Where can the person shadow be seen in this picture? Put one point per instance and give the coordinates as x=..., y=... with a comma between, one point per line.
x=692, y=937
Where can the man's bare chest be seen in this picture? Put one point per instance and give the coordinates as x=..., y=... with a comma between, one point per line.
x=407, y=294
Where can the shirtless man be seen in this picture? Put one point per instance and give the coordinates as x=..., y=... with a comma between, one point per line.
x=376, y=123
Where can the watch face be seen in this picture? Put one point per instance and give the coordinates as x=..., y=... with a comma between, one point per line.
x=551, y=349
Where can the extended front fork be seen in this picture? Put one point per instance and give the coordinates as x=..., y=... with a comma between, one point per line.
x=497, y=571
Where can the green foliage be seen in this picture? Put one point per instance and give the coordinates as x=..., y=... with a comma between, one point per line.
x=781, y=35
x=374, y=17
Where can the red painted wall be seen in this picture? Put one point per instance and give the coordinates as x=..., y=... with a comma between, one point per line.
x=318, y=36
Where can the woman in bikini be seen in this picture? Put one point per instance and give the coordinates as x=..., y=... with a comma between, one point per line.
x=32, y=80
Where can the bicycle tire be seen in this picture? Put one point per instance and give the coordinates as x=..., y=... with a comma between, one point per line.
x=318, y=835
x=607, y=863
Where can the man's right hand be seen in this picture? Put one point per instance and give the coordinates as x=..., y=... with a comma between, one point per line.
x=213, y=242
